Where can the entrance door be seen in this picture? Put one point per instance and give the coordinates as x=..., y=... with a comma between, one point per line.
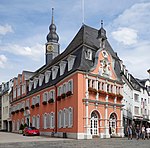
x=112, y=124
x=94, y=124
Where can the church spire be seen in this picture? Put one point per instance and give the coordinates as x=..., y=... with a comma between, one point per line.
x=52, y=36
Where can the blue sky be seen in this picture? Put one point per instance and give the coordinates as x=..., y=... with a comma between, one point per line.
x=24, y=26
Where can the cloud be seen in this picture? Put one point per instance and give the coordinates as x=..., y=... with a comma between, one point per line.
x=3, y=60
x=125, y=35
x=5, y=29
x=34, y=52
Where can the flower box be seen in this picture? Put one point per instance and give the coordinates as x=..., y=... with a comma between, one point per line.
x=17, y=111
x=92, y=90
x=69, y=93
x=22, y=109
x=26, y=108
x=51, y=100
x=119, y=96
x=58, y=98
x=12, y=112
x=63, y=96
x=101, y=92
x=112, y=95
x=44, y=102
x=37, y=104
x=32, y=106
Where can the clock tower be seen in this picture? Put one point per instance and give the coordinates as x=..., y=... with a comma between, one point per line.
x=52, y=45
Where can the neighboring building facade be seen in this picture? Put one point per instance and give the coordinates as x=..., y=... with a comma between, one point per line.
x=136, y=100
x=6, y=118
x=76, y=94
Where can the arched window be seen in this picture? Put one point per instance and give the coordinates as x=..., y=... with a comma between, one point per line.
x=33, y=121
x=52, y=120
x=59, y=119
x=44, y=121
x=38, y=121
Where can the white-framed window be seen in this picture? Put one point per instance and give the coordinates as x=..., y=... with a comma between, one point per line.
x=65, y=117
x=52, y=120
x=60, y=119
x=18, y=91
x=136, y=97
x=33, y=101
x=37, y=99
x=14, y=93
x=62, y=65
x=13, y=126
x=88, y=54
x=38, y=121
x=33, y=121
x=136, y=110
x=64, y=88
x=52, y=94
x=59, y=90
x=70, y=85
x=41, y=78
x=45, y=96
x=48, y=121
x=71, y=60
x=47, y=76
x=45, y=121
x=23, y=88
x=35, y=81
x=70, y=120
x=54, y=72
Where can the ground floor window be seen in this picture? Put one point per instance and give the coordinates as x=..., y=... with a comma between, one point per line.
x=112, y=123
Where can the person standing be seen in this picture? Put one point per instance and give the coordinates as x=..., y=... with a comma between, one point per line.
x=148, y=132
x=143, y=132
x=137, y=131
x=129, y=131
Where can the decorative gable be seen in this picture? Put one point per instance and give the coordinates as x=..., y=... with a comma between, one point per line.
x=71, y=60
x=62, y=65
x=54, y=72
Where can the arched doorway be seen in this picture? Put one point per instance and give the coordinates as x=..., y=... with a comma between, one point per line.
x=112, y=124
x=94, y=123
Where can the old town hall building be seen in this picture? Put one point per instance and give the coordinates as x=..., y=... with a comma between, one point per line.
x=77, y=93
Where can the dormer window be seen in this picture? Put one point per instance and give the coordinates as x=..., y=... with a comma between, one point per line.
x=30, y=85
x=41, y=78
x=47, y=76
x=88, y=54
x=54, y=72
x=71, y=60
x=62, y=65
x=35, y=82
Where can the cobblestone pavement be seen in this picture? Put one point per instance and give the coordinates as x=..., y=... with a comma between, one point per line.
x=47, y=142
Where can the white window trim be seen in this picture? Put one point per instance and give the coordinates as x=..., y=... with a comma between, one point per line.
x=41, y=78
x=35, y=81
x=47, y=76
x=71, y=59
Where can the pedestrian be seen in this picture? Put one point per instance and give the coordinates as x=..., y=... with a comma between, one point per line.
x=143, y=132
x=137, y=131
x=129, y=131
x=148, y=132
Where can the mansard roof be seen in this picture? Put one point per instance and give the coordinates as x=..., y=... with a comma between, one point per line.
x=85, y=38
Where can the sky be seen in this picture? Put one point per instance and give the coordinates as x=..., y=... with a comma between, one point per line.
x=24, y=25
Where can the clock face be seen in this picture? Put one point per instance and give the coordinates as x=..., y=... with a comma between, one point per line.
x=50, y=48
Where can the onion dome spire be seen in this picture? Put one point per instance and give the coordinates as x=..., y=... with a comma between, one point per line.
x=52, y=36
x=102, y=32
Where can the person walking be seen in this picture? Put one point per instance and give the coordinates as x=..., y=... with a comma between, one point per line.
x=148, y=132
x=137, y=131
x=143, y=132
x=129, y=131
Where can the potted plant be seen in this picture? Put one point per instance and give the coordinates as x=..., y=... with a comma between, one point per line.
x=69, y=93
x=37, y=104
x=102, y=92
x=51, y=100
x=44, y=102
x=92, y=90
x=22, y=109
x=21, y=129
x=58, y=98
x=32, y=106
x=63, y=96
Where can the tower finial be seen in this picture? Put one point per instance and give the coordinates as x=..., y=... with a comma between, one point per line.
x=101, y=23
x=52, y=16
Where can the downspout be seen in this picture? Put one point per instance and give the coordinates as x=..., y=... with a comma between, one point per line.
x=56, y=109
